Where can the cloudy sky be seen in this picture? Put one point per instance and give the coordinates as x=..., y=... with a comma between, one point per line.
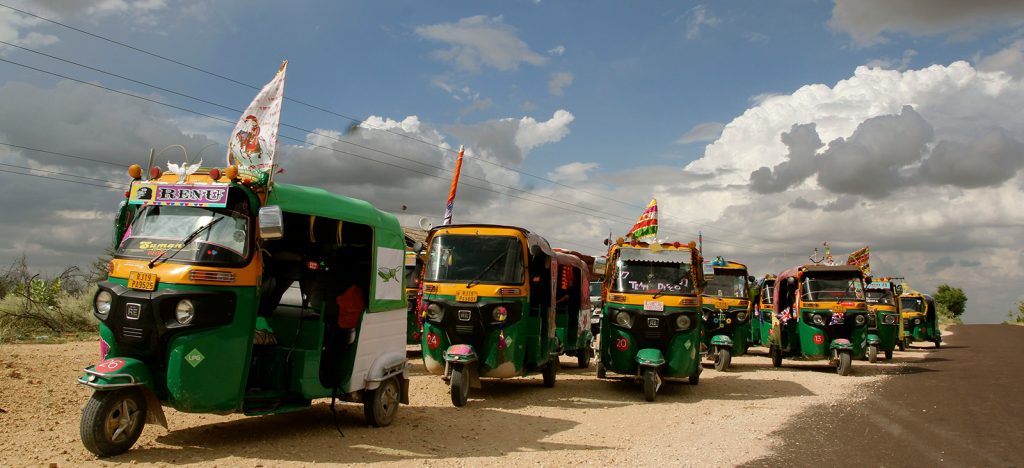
x=770, y=127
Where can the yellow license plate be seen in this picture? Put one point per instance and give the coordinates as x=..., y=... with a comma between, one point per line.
x=465, y=296
x=142, y=281
x=721, y=304
x=839, y=309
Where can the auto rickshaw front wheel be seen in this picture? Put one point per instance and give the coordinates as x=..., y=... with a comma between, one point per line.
x=550, y=369
x=650, y=383
x=112, y=421
x=381, y=406
x=722, y=359
x=459, y=386
x=776, y=355
x=888, y=355
x=845, y=363
x=872, y=353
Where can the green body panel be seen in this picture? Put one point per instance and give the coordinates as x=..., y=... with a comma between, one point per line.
x=681, y=353
x=527, y=349
x=567, y=330
x=737, y=336
x=107, y=335
x=887, y=334
x=754, y=327
x=924, y=332
x=811, y=350
x=721, y=340
x=137, y=369
x=412, y=326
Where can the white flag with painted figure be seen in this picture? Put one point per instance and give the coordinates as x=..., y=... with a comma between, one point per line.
x=253, y=143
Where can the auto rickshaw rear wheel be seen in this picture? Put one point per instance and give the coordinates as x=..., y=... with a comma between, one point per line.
x=459, y=386
x=601, y=372
x=888, y=355
x=112, y=421
x=381, y=406
x=902, y=345
x=872, y=353
x=695, y=378
x=938, y=344
x=722, y=359
x=650, y=383
x=845, y=363
x=583, y=357
x=549, y=371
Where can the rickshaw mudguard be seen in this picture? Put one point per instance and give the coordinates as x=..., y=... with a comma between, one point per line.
x=873, y=339
x=650, y=357
x=122, y=372
x=721, y=340
x=841, y=344
x=386, y=366
x=460, y=354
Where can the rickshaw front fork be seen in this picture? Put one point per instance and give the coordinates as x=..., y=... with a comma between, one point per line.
x=463, y=356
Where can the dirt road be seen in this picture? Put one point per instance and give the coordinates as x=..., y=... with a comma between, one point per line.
x=725, y=420
x=961, y=405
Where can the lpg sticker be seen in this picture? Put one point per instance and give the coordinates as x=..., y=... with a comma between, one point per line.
x=110, y=365
x=621, y=344
x=194, y=357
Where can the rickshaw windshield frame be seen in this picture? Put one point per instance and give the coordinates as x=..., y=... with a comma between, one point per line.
x=484, y=259
x=156, y=229
x=726, y=283
x=880, y=296
x=665, y=272
x=832, y=287
x=912, y=304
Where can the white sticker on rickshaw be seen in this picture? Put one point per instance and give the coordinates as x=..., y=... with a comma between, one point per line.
x=390, y=269
x=655, y=306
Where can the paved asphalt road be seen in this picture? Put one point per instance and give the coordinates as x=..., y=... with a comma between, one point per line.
x=963, y=405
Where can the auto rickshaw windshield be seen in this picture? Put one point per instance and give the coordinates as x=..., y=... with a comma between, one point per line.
x=911, y=304
x=727, y=283
x=666, y=272
x=880, y=296
x=768, y=293
x=159, y=229
x=483, y=259
x=595, y=288
x=832, y=288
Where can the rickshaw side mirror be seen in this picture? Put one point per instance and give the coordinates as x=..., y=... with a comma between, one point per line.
x=418, y=247
x=899, y=289
x=536, y=250
x=271, y=222
x=750, y=279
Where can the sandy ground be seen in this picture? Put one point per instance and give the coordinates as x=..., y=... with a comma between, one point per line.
x=725, y=420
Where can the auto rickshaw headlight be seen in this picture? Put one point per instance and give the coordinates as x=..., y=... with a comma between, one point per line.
x=434, y=312
x=102, y=303
x=623, y=319
x=917, y=321
x=889, y=319
x=683, y=322
x=741, y=316
x=184, y=312
x=818, y=319
x=500, y=313
x=860, y=319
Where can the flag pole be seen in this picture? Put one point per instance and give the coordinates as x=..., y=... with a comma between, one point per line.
x=449, y=208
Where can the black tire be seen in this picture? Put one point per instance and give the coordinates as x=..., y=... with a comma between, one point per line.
x=845, y=363
x=902, y=345
x=695, y=378
x=381, y=406
x=888, y=355
x=650, y=383
x=872, y=353
x=776, y=355
x=113, y=420
x=549, y=372
x=459, y=386
x=583, y=357
x=722, y=359
x=938, y=344
x=601, y=372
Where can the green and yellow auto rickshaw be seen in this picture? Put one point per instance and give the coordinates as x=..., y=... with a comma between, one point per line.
x=819, y=313
x=489, y=304
x=885, y=329
x=572, y=307
x=761, y=323
x=225, y=298
x=920, y=319
x=651, y=325
x=726, y=310
x=413, y=270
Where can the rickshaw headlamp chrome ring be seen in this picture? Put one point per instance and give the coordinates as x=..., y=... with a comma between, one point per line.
x=500, y=314
x=683, y=322
x=623, y=319
x=860, y=319
x=184, y=312
x=741, y=316
x=818, y=319
x=434, y=312
x=889, y=319
x=917, y=321
x=102, y=303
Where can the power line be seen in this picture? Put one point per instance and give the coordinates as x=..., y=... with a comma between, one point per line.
x=55, y=178
x=363, y=122
x=57, y=173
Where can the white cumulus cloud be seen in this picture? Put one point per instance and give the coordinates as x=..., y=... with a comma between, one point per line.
x=480, y=40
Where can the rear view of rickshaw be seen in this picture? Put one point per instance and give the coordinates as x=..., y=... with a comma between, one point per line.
x=572, y=307
x=761, y=323
x=726, y=310
x=489, y=306
x=885, y=329
x=222, y=298
x=820, y=314
x=920, y=319
x=651, y=325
